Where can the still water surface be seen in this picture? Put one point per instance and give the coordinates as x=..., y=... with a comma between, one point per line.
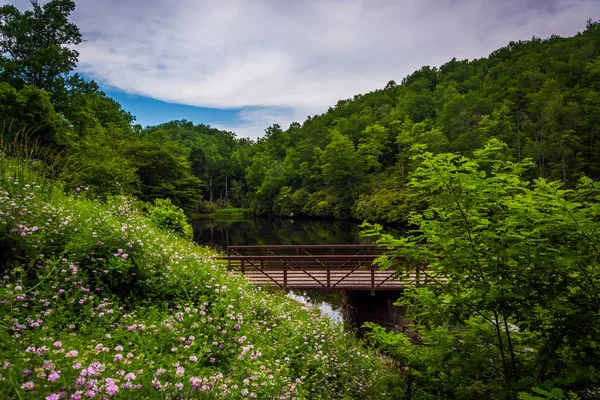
x=267, y=231
x=278, y=231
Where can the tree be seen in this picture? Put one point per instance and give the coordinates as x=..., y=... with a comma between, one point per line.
x=86, y=106
x=36, y=46
x=164, y=174
x=343, y=167
x=373, y=144
x=101, y=163
x=513, y=267
x=28, y=110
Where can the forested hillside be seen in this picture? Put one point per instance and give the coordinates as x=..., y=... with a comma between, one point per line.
x=541, y=97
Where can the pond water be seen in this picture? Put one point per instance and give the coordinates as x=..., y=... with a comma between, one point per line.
x=267, y=231
x=278, y=231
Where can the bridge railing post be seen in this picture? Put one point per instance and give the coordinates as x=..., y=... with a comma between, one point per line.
x=418, y=274
x=372, y=280
x=228, y=260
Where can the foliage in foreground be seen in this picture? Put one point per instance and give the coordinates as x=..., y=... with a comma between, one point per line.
x=165, y=215
x=513, y=299
x=97, y=303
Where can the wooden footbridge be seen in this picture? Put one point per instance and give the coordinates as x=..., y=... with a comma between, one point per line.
x=318, y=267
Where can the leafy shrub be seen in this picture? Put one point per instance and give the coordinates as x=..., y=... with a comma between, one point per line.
x=386, y=204
x=165, y=215
x=290, y=204
x=513, y=269
x=207, y=207
x=318, y=205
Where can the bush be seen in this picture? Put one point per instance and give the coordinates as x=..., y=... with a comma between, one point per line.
x=513, y=270
x=290, y=204
x=207, y=207
x=318, y=205
x=165, y=215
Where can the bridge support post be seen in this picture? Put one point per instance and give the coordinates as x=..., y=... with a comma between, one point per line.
x=359, y=306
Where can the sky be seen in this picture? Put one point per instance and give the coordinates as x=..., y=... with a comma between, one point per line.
x=243, y=65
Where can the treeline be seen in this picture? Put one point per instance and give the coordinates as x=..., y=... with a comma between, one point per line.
x=541, y=97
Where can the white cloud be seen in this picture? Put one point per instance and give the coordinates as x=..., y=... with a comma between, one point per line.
x=296, y=56
x=252, y=122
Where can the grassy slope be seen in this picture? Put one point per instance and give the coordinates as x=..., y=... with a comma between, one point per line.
x=94, y=302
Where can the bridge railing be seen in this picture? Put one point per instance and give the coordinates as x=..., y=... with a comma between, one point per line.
x=325, y=267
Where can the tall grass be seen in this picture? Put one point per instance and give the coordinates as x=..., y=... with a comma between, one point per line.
x=24, y=159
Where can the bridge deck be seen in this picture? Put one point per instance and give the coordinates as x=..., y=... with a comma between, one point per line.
x=329, y=267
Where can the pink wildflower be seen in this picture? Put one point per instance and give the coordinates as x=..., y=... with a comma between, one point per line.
x=112, y=389
x=72, y=353
x=195, y=381
x=54, y=375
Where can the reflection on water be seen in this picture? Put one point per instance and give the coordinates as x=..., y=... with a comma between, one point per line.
x=330, y=305
x=274, y=231
x=279, y=231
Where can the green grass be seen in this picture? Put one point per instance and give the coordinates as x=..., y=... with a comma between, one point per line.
x=228, y=213
x=97, y=302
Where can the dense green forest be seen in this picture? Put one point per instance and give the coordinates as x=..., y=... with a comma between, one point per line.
x=541, y=97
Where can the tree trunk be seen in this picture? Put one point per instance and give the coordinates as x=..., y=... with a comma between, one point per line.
x=351, y=190
x=564, y=170
x=402, y=175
